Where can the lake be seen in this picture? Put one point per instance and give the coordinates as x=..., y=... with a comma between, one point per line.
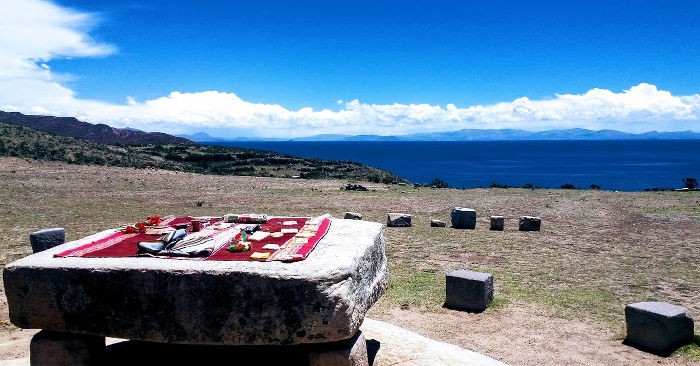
x=628, y=165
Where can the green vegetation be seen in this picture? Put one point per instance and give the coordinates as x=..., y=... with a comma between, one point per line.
x=691, y=351
x=24, y=142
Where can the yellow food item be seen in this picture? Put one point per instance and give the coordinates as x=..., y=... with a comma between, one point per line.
x=260, y=255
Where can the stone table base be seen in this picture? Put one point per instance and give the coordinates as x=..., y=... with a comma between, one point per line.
x=57, y=348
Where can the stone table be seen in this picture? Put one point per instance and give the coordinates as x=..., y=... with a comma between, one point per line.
x=322, y=299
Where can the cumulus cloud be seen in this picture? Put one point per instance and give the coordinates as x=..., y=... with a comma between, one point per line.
x=39, y=31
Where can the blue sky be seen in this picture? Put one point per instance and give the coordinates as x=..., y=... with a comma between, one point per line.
x=280, y=68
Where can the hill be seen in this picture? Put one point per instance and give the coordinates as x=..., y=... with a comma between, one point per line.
x=100, y=133
x=24, y=142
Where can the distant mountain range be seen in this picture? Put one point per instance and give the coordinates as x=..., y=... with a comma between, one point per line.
x=99, y=133
x=477, y=135
x=104, y=134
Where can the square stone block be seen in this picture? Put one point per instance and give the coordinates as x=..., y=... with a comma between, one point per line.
x=353, y=216
x=497, y=223
x=59, y=348
x=47, y=239
x=658, y=327
x=529, y=223
x=463, y=218
x=468, y=290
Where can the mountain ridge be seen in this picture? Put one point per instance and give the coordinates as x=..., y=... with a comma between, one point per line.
x=99, y=133
x=482, y=135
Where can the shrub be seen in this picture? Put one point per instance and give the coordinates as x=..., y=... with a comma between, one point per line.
x=690, y=183
x=498, y=185
x=437, y=183
x=568, y=186
x=595, y=187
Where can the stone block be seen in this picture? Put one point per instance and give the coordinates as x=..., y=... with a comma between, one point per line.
x=437, y=223
x=658, y=327
x=529, y=223
x=321, y=299
x=353, y=216
x=463, y=218
x=352, y=352
x=47, y=239
x=468, y=290
x=497, y=223
x=59, y=348
x=398, y=220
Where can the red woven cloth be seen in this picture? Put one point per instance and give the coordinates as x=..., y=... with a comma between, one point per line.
x=120, y=244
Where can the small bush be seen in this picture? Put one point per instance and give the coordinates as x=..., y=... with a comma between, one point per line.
x=498, y=185
x=568, y=186
x=595, y=187
x=690, y=183
x=437, y=183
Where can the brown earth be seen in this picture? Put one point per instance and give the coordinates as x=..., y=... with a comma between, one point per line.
x=560, y=292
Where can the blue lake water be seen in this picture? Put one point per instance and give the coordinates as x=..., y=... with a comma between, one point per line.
x=613, y=165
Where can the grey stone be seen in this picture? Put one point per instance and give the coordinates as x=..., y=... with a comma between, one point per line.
x=398, y=220
x=323, y=298
x=463, y=218
x=529, y=223
x=58, y=348
x=437, y=223
x=468, y=290
x=352, y=352
x=398, y=346
x=47, y=238
x=497, y=223
x=353, y=216
x=658, y=327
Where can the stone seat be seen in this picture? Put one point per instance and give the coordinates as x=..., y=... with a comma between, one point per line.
x=463, y=218
x=658, y=327
x=468, y=290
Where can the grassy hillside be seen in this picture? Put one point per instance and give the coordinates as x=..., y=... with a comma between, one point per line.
x=24, y=142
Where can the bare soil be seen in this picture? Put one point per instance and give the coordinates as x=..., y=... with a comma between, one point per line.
x=560, y=292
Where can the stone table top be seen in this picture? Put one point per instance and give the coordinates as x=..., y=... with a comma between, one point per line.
x=323, y=298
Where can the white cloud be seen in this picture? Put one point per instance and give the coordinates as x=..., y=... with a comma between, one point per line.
x=38, y=32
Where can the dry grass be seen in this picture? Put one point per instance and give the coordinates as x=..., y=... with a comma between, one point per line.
x=597, y=250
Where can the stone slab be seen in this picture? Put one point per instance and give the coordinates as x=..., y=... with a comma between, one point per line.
x=398, y=346
x=321, y=299
x=658, y=327
x=437, y=223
